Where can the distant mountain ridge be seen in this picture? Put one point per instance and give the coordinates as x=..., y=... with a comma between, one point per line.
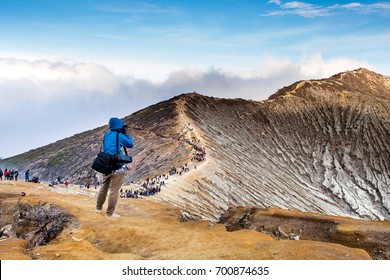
x=357, y=82
x=318, y=145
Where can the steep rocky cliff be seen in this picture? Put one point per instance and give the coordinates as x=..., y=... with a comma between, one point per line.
x=318, y=145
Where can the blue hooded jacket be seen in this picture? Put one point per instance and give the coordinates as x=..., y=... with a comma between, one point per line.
x=109, y=142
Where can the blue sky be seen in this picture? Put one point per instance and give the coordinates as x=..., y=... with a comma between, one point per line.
x=67, y=66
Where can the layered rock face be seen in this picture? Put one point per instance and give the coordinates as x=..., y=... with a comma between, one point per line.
x=320, y=146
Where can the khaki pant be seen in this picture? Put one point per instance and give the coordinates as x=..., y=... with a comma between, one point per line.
x=112, y=182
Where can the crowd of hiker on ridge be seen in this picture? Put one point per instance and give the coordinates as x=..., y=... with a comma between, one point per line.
x=152, y=186
x=9, y=174
x=13, y=175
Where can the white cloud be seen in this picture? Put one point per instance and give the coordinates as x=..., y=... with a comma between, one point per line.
x=381, y=8
x=277, y=2
x=309, y=10
x=298, y=5
x=315, y=66
x=351, y=5
x=299, y=9
x=46, y=80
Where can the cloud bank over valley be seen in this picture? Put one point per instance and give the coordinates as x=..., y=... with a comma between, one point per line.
x=47, y=100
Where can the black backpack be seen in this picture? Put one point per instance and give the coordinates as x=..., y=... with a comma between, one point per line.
x=105, y=163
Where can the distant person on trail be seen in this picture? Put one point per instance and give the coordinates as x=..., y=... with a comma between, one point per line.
x=27, y=175
x=1, y=174
x=114, y=180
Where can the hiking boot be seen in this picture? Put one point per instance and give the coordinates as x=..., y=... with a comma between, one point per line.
x=114, y=215
x=98, y=210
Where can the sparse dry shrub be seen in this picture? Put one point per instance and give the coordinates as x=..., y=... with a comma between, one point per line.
x=39, y=224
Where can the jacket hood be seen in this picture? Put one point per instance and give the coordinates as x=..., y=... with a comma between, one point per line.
x=115, y=123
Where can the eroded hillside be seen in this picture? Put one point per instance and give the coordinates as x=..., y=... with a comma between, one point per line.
x=320, y=146
x=317, y=146
x=155, y=133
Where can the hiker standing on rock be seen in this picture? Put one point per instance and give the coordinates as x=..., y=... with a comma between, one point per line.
x=112, y=182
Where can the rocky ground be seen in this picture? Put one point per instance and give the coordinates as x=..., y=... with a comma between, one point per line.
x=155, y=230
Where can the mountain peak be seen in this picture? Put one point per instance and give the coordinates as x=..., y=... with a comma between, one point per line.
x=357, y=82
